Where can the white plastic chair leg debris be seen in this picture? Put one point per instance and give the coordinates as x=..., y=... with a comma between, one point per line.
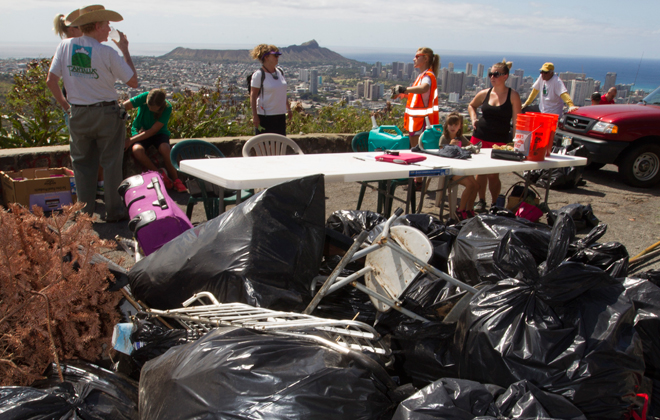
x=393, y=261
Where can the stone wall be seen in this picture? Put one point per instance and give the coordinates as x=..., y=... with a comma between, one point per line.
x=58, y=156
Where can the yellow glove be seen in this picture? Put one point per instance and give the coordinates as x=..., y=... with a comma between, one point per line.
x=567, y=98
x=531, y=98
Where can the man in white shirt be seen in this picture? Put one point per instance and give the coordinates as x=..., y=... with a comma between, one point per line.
x=89, y=70
x=553, y=92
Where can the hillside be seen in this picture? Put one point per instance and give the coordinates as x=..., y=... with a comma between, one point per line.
x=307, y=53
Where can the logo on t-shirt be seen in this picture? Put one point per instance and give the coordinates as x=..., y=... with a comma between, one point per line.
x=81, y=63
x=545, y=89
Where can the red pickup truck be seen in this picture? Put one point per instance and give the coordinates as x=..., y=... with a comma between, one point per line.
x=625, y=135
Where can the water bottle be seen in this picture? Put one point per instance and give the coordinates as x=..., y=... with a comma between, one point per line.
x=113, y=35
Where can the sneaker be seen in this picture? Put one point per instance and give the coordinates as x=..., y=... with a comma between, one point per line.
x=462, y=215
x=166, y=179
x=481, y=206
x=470, y=213
x=178, y=185
x=100, y=190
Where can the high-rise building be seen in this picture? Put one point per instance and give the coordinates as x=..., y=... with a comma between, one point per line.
x=569, y=75
x=363, y=70
x=468, y=69
x=514, y=82
x=379, y=66
x=450, y=66
x=454, y=97
x=374, y=72
x=520, y=73
x=580, y=90
x=374, y=92
x=456, y=83
x=409, y=69
x=480, y=71
x=314, y=82
x=610, y=80
x=443, y=84
x=395, y=67
x=304, y=75
x=360, y=90
x=367, y=89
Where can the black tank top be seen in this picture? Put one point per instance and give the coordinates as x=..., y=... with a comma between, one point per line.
x=495, y=122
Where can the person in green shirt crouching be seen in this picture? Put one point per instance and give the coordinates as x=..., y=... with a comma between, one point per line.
x=149, y=128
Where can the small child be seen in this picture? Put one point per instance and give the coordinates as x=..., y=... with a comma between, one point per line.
x=453, y=134
x=149, y=128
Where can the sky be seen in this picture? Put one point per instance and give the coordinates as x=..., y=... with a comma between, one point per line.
x=599, y=28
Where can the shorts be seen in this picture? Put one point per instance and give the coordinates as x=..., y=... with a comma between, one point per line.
x=418, y=133
x=156, y=140
x=485, y=144
x=272, y=124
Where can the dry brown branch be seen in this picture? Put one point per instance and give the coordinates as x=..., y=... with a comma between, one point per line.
x=48, y=257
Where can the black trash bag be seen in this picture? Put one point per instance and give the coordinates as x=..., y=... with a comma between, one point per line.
x=471, y=259
x=646, y=297
x=560, y=178
x=570, y=333
x=150, y=340
x=88, y=392
x=441, y=237
x=263, y=252
x=651, y=275
x=423, y=351
x=582, y=215
x=611, y=257
x=242, y=374
x=352, y=222
x=458, y=399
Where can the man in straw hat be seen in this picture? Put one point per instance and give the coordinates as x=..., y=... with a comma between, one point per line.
x=89, y=70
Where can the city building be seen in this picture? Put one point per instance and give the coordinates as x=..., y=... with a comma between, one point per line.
x=450, y=66
x=520, y=73
x=610, y=80
x=480, y=71
x=468, y=69
x=454, y=97
x=314, y=82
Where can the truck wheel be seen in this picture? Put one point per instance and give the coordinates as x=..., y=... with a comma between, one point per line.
x=640, y=167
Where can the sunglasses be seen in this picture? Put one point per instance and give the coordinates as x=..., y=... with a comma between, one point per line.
x=496, y=74
x=275, y=53
x=544, y=72
x=420, y=55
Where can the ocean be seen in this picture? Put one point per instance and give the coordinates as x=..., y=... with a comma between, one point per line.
x=646, y=75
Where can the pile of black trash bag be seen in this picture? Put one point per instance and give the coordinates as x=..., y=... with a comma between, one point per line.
x=263, y=252
x=88, y=392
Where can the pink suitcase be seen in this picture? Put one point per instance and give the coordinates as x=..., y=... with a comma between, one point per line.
x=155, y=217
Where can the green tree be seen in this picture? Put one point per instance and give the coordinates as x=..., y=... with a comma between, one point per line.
x=30, y=117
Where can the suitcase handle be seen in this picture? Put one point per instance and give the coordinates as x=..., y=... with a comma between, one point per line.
x=141, y=220
x=162, y=202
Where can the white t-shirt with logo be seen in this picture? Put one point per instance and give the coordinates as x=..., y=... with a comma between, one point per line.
x=272, y=97
x=89, y=70
x=550, y=101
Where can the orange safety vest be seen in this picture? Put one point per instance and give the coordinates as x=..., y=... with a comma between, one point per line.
x=416, y=111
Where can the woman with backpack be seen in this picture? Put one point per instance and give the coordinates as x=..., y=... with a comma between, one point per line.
x=268, y=100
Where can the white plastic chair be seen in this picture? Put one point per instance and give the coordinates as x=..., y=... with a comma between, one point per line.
x=269, y=144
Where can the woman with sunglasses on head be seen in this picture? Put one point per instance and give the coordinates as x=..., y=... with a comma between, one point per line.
x=268, y=99
x=422, y=98
x=500, y=106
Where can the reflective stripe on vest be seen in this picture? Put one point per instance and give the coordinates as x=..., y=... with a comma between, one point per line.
x=416, y=111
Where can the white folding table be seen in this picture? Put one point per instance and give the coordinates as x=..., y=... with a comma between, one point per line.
x=265, y=171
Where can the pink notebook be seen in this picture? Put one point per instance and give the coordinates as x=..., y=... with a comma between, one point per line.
x=401, y=158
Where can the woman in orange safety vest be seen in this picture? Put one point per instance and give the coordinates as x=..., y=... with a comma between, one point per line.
x=422, y=95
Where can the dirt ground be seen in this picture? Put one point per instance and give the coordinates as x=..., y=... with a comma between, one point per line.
x=631, y=214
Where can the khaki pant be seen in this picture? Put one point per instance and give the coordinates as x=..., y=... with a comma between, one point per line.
x=97, y=138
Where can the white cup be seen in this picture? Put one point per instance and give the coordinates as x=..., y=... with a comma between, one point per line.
x=113, y=35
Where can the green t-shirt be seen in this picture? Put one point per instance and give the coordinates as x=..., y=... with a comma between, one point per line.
x=145, y=119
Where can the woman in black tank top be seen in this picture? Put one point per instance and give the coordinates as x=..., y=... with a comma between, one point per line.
x=500, y=106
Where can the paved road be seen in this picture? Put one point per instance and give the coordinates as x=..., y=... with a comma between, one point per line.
x=632, y=214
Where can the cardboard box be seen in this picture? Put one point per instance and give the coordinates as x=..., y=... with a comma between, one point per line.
x=48, y=188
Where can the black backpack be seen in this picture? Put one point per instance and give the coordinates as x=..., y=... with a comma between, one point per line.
x=263, y=77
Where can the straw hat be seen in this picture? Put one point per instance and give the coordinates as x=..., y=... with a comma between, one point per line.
x=71, y=17
x=95, y=13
